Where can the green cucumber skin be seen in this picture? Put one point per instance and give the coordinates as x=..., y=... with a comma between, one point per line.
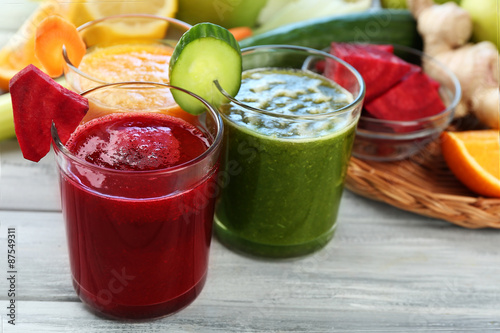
x=218, y=38
x=375, y=26
x=202, y=30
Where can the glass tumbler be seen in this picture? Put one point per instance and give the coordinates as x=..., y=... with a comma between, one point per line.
x=284, y=157
x=120, y=48
x=139, y=239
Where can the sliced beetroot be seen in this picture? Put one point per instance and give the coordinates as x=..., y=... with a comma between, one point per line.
x=378, y=66
x=413, y=98
x=37, y=101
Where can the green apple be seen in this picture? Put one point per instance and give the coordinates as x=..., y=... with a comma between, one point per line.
x=485, y=14
x=402, y=3
x=227, y=13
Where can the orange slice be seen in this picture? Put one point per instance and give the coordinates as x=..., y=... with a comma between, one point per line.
x=474, y=158
x=52, y=34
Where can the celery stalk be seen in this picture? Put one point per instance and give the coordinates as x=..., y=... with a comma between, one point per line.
x=6, y=118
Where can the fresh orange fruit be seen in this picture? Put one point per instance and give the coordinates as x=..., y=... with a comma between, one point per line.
x=52, y=34
x=19, y=51
x=474, y=158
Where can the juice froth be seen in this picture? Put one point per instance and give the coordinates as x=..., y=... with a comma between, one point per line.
x=138, y=142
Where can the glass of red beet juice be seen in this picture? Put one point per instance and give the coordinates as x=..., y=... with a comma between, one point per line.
x=138, y=185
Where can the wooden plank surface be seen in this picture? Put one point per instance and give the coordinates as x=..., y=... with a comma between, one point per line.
x=385, y=271
x=26, y=185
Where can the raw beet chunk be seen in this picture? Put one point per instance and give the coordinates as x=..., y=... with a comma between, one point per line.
x=378, y=66
x=37, y=101
x=413, y=98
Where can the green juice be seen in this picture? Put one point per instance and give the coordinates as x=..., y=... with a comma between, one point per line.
x=285, y=170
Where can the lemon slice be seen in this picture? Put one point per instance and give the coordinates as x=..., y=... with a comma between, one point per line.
x=84, y=11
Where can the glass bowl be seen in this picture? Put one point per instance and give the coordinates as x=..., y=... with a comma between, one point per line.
x=389, y=140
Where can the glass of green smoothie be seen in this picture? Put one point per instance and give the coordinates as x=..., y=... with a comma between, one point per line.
x=288, y=139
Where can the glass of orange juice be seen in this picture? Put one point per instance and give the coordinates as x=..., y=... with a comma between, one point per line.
x=120, y=48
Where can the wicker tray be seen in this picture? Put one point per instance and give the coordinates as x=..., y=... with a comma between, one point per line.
x=423, y=184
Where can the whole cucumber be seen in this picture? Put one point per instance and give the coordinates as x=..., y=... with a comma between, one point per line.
x=372, y=26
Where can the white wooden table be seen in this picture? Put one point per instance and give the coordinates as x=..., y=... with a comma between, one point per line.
x=386, y=270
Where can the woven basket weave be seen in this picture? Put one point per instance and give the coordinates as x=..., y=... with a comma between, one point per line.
x=423, y=184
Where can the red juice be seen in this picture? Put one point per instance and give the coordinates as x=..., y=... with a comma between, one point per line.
x=138, y=219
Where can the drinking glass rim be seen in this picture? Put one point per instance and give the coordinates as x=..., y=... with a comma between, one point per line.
x=213, y=146
x=345, y=109
x=111, y=17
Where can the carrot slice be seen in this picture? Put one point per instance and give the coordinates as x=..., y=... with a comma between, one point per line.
x=240, y=33
x=51, y=34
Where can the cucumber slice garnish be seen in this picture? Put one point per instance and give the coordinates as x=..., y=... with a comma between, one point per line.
x=205, y=53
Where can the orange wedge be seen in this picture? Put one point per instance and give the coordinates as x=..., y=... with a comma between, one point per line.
x=52, y=34
x=474, y=158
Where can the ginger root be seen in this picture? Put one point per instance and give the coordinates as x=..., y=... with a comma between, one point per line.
x=445, y=30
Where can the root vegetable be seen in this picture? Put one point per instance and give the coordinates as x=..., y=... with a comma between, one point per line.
x=446, y=30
